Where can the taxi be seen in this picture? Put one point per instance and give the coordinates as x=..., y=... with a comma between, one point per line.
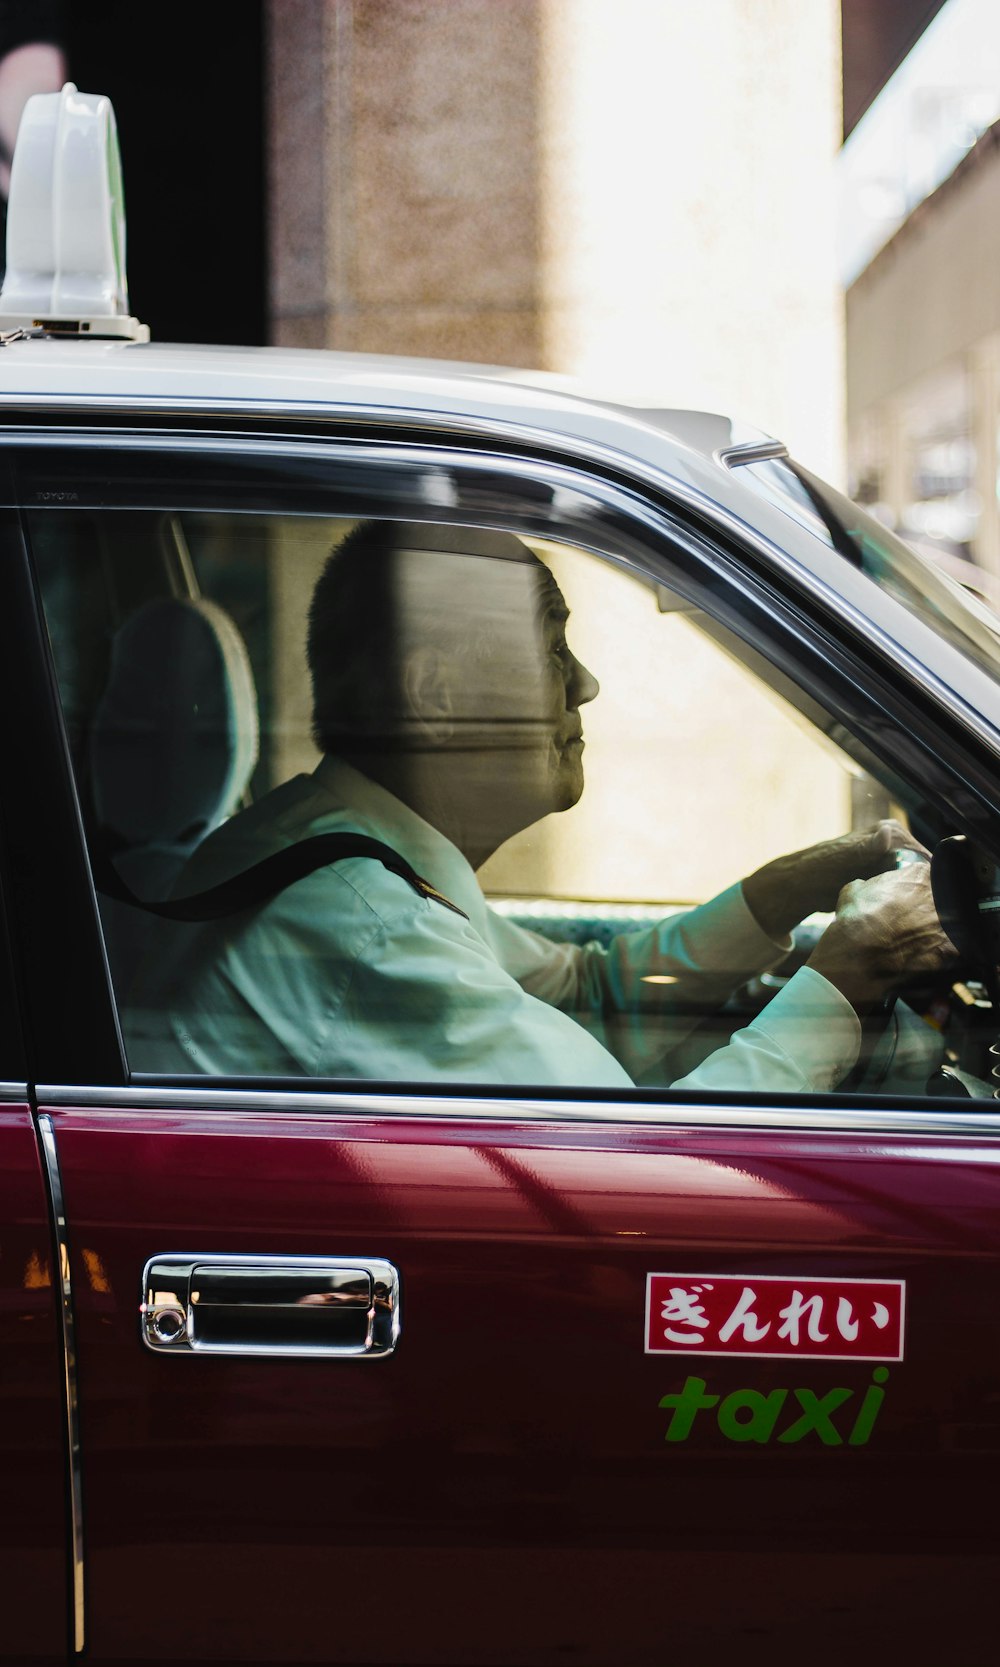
x=500, y=1246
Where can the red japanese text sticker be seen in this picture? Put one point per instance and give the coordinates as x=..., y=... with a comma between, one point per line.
x=750, y=1314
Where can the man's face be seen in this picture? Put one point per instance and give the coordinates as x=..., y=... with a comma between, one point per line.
x=511, y=688
x=566, y=686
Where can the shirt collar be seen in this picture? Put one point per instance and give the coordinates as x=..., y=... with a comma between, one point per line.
x=433, y=856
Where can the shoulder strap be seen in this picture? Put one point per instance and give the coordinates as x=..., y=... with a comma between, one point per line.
x=265, y=879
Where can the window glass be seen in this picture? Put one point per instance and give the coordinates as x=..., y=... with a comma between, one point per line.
x=967, y=622
x=439, y=805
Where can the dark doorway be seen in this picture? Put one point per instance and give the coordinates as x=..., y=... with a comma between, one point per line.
x=187, y=84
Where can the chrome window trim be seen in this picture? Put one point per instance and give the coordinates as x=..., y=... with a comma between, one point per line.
x=53, y=1175
x=622, y=498
x=755, y=451
x=430, y=1108
x=14, y=1093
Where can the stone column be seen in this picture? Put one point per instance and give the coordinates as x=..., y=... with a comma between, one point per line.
x=299, y=206
x=404, y=176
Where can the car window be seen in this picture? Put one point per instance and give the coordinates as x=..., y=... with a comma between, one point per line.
x=372, y=800
x=966, y=621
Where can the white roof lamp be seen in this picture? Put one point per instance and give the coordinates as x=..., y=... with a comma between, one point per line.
x=66, y=222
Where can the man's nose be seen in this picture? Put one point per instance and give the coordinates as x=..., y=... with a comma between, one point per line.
x=583, y=685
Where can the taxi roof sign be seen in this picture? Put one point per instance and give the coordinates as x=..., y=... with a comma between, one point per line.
x=66, y=222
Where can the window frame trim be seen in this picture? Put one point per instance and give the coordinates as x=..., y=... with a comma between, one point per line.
x=821, y=1115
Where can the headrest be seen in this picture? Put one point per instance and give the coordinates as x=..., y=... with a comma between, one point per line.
x=174, y=738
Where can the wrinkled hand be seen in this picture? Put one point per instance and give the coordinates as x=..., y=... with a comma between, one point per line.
x=783, y=892
x=886, y=930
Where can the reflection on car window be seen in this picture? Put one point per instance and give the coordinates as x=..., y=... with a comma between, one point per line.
x=955, y=614
x=534, y=785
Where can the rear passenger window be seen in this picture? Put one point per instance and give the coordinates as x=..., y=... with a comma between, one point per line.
x=414, y=803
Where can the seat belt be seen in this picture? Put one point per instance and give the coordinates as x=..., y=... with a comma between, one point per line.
x=265, y=879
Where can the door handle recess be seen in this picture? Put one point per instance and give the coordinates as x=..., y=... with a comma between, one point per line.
x=342, y=1307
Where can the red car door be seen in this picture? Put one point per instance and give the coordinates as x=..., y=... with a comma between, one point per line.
x=503, y=1486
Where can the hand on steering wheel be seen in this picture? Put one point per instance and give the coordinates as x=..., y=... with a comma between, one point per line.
x=885, y=932
x=784, y=891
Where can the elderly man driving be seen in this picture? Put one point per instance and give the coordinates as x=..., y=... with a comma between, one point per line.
x=448, y=707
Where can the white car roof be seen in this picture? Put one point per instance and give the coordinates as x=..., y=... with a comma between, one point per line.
x=679, y=449
x=58, y=372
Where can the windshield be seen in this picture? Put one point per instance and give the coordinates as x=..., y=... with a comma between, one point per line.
x=967, y=622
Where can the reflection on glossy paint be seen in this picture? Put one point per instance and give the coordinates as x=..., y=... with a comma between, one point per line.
x=96, y=1275
x=37, y=1274
x=661, y=1174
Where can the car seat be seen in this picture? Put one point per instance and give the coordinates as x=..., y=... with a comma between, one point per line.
x=173, y=744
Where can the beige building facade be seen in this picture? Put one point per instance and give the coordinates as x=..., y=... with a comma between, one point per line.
x=923, y=369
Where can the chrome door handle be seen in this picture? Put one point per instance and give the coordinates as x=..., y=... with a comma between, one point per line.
x=343, y=1307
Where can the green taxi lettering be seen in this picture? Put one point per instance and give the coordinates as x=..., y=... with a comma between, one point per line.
x=749, y=1415
x=817, y=1415
x=746, y=1415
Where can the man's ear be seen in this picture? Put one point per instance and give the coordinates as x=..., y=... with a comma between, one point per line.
x=427, y=691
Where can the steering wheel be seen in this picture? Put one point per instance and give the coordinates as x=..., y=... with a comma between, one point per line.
x=966, y=885
x=965, y=882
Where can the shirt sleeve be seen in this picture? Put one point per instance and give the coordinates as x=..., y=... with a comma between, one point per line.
x=705, y=952
x=644, y=994
x=806, y=1040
